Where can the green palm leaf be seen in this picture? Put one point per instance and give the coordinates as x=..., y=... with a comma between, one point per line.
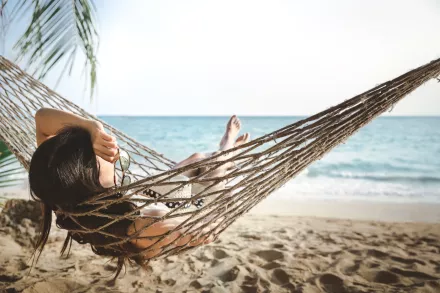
x=58, y=28
x=9, y=167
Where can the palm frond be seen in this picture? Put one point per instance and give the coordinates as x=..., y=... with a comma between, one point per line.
x=9, y=168
x=5, y=153
x=56, y=30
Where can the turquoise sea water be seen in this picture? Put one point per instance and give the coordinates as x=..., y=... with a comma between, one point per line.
x=391, y=159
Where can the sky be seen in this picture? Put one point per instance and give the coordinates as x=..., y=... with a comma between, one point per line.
x=252, y=57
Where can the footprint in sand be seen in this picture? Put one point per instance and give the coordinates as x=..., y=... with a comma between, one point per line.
x=250, y=280
x=280, y=277
x=250, y=289
x=385, y=277
x=428, y=240
x=436, y=265
x=169, y=282
x=9, y=278
x=355, y=251
x=201, y=283
x=349, y=267
x=271, y=265
x=331, y=283
x=434, y=285
x=270, y=255
x=377, y=253
x=278, y=245
x=282, y=231
x=407, y=260
x=413, y=274
x=250, y=236
x=264, y=283
x=220, y=254
x=230, y=275
x=372, y=265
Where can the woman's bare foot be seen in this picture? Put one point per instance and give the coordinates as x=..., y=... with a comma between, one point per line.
x=242, y=139
x=232, y=129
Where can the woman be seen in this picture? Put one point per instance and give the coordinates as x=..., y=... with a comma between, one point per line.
x=75, y=160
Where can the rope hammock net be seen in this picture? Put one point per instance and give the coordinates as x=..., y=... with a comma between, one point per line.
x=261, y=165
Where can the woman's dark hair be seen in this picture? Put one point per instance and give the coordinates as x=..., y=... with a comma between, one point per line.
x=64, y=172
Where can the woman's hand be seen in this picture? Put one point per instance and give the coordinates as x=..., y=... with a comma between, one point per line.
x=49, y=121
x=104, y=144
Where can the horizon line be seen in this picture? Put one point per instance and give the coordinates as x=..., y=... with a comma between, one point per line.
x=251, y=116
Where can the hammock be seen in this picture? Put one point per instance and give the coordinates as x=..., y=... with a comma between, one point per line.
x=262, y=165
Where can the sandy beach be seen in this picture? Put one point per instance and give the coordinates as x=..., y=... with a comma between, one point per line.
x=294, y=246
x=149, y=127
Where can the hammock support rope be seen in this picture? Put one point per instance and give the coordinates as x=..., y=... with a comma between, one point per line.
x=261, y=165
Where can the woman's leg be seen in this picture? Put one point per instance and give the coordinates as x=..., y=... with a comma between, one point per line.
x=228, y=140
x=191, y=159
x=221, y=170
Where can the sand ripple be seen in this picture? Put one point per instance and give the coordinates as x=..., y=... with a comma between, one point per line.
x=257, y=254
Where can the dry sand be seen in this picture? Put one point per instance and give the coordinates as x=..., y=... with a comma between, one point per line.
x=258, y=253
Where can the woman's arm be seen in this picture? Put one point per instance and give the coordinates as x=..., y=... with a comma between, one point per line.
x=50, y=121
x=153, y=245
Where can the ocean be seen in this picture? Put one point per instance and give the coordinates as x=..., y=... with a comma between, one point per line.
x=392, y=159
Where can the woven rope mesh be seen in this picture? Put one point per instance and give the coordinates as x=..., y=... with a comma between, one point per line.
x=261, y=166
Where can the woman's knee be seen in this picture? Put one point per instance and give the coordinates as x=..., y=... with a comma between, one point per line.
x=197, y=156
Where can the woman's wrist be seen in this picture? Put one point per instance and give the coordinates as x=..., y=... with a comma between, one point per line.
x=91, y=125
x=104, y=145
